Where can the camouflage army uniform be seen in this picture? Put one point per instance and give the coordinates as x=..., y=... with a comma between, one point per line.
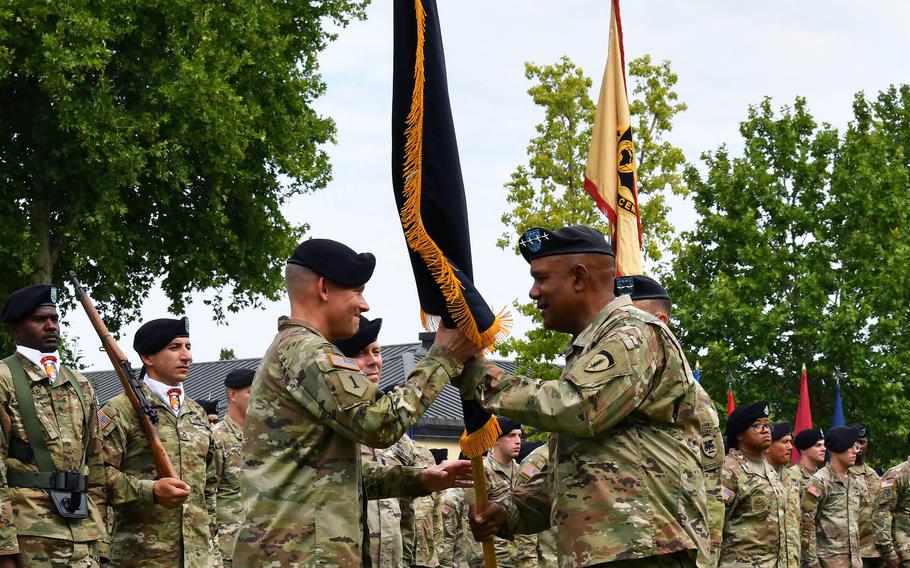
x=712, y=458
x=829, y=529
x=29, y=524
x=302, y=476
x=755, y=514
x=228, y=438
x=801, y=477
x=421, y=520
x=458, y=549
x=383, y=522
x=145, y=534
x=790, y=557
x=501, y=480
x=626, y=475
x=892, y=514
x=867, y=530
x=538, y=550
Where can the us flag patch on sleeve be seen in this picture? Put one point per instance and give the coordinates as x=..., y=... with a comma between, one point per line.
x=529, y=470
x=103, y=419
x=887, y=483
x=814, y=489
x=727, y=494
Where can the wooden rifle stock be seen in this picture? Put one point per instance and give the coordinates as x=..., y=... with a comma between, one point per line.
x=147, y=415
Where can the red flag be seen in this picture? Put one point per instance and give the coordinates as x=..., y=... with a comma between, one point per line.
x=731, y=405
x=803, y=412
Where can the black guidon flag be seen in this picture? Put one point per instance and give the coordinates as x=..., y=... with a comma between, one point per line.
x=429, y=192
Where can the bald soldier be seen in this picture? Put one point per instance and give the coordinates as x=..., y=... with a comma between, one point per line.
x=626, y=397
x=310, y=406
x=52, y=476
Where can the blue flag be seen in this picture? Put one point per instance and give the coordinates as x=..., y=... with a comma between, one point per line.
x=838, y=418
x=697, y=371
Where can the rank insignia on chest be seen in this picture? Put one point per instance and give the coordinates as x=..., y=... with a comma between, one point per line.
x=759, y=503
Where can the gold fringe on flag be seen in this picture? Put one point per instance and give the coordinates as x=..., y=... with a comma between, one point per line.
x=415, y=233
x=477, y=442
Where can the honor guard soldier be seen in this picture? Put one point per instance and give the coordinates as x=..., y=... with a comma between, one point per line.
x=778, y=457
x=867, y=529
x=811, y=445
x=210, y=407
x=892, y=516
x=616, y=403
x=310, y=407
x=830, y=507
x=228, y=438
x=755, y=499
x=52, y=481
x=164, y=522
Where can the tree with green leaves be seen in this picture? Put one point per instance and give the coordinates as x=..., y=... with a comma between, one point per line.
x=799, y=255
x=549, y=191
x=146, y=142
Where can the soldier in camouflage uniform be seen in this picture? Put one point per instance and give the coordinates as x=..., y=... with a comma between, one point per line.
x=458, y=549
x=502, y=474
x=421, y=517
x=161, y=522
x=867, y=529
x=303, y=482
x=228, y=436
x=811, y=444
x=627, y=486
x=892, y=516
x=830, y=507
x=755, y=500
x=778, y=457
x=32, y=530
x=542, y=553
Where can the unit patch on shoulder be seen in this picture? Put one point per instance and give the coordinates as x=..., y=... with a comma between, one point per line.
x=600, y=362
x=343, y=362
x=814, y=489
x=103, y=419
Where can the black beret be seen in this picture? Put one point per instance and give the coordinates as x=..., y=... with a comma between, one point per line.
x=742, y=418
x=366, y=334
x=21, y=303
x=154, y=335
x=337, y=262
x=539, y=242
x=860, y=428
x=209, y=406
x=779, y=430
x=840, y=439
x=239, y=378
x=807, y=438
x=507, y=425
x=640, y=288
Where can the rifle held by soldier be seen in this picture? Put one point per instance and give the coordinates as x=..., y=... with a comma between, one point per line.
x=147, y=415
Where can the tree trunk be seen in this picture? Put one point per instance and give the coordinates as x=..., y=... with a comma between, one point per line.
x=41, y=229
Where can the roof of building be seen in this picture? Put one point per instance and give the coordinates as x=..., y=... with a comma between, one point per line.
x=206, y=380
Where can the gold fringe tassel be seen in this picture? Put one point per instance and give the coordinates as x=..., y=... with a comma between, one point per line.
x=414, y=231
x=476, y=443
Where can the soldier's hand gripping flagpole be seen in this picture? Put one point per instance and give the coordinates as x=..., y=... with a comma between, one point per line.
x=147, y=415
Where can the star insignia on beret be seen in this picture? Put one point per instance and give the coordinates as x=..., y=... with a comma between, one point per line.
x=533, y=240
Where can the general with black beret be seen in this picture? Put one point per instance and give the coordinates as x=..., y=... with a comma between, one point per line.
x=366, y=334
x=841, y=438
x=239, y=378
x=21, y=303
x=807, y=438
x=336, y=261
x=742, y=418
x=540, y=242
x=154, y=335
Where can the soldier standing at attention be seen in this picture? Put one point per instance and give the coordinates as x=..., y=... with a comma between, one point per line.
x=811, y=444
x=502, y=474
x=755, y=499
x=303, y=487
x=164, y=522
x=52, y=492
x=543, y=553
x=830, y=507
x=228, y=436
x=867, y=529
x=778, y=457
x=892, y=516
x=628, y=486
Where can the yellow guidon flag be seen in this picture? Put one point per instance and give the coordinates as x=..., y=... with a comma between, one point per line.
x=610, y=175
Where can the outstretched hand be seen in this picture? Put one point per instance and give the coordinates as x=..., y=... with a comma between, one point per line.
x=450, y=473
x=487, y=523
x=457, y=343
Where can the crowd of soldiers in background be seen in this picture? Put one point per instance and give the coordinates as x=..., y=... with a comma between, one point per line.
x=312, y=466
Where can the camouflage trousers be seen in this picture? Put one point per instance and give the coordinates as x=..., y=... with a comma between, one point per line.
x=55, y=552
x=675, y=560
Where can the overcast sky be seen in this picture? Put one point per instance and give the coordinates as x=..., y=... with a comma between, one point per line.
x=728, y=55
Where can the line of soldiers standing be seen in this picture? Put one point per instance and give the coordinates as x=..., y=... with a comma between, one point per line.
x=633, y=474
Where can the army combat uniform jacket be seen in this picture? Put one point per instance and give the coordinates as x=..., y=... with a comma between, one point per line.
x=542, y=550
x=383, y=521
x=302, y=480
x=867, y=528
x=829, y=528
x=626, y=478
x=29, y=512
x=892, y=514
x=146, y=534
x=421, y=521
x=458, y=549
x=790, y=557
x=755, y=514
x=228, y=440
